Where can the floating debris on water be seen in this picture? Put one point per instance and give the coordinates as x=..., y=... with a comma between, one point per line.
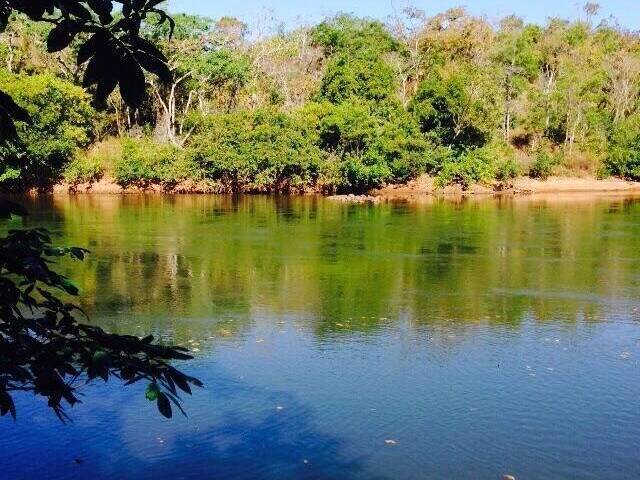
x=390, y=442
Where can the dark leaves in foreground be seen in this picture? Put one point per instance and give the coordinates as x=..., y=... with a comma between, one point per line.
x=45, y=350
x=114, y=52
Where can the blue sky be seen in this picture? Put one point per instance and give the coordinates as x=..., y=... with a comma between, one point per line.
x=627, y=12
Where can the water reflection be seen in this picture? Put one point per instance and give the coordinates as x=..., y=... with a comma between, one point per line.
x=160, y=260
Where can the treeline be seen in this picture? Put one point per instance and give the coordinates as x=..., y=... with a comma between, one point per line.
x=345, y=105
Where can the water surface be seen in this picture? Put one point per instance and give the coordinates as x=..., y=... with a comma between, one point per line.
x=442, y=339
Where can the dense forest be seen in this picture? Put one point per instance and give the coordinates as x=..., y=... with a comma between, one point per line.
x=345, y=105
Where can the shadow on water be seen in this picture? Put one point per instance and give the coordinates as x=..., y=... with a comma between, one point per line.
x=234, y=431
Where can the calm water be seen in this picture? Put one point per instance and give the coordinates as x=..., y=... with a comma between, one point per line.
x=434, y=341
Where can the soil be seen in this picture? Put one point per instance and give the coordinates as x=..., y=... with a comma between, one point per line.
x=420, y=187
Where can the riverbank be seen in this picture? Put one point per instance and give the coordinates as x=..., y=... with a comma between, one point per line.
x=421, y=186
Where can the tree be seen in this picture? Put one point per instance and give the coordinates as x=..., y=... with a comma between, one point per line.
x=62, y=121
x=44, y=349
x=356, y=67
x=112, y=48
x=456, y=106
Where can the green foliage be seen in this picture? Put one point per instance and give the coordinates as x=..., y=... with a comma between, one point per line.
x=623, y=158
x=544, y=164
x=111, y=47
x=366, y=103
x=368, y=146
x=185, y=27
x=62, y=120
x=506, y=169
x=260, y=151
x=83, y=169
x=348, y=34
x=364, y=76
x=145, y=161
x=332, y=147
x=356, y=67
x=456, y=107
x=473, y=166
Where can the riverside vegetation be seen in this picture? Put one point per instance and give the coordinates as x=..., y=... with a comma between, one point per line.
x=343, y=106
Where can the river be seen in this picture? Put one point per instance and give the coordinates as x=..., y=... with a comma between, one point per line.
x=441, y=339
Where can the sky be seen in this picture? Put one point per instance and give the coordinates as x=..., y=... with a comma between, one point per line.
x=291, y=12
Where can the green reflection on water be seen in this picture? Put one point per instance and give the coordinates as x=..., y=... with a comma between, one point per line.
x=214, y=266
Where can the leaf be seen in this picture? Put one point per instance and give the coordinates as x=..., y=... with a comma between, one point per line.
x=102, y=8
x=7, y=405
x=164, y=405
x=181, y=381
x=69, y=287
x=91, y=46
x=78, y=10
x=152, y=392
x=147, y=47
x=100, y=65
x=106, y=86
x=13, y=109
x=131, y=81
x=154, y=65
x=61, y=36
x=100, y=359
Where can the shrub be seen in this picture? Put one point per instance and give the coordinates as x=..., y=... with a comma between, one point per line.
x=369, y=145
x=144, y=161
x=62, y=120
x=456, y=107
x=623, y=158
x=506, y=169
x=85, y=168
x=356, y=50
x=473, y=166
x=257, y=151
x=544, y=165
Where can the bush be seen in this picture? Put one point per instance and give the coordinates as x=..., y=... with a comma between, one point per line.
x=144, y=161
x=369, y=145
x=62, y=120
x=256, y=151
x=623, y=159
x=506, y=169
x=361, y=75
x=457, y=107
x=473, y=166
x=356, y=50
x=85, y=168
x=544, y=165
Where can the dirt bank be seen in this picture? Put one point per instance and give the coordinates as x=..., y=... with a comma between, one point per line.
x=421, y=186
x=110, y=187
x=425, y=185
